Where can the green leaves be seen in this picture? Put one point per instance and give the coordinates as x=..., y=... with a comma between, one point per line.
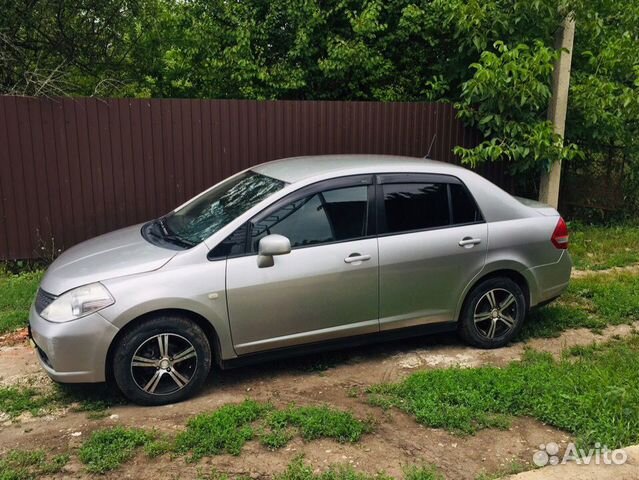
x=506, y=99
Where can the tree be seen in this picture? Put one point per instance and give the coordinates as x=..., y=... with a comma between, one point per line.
x=506, y=99
x=57, y=47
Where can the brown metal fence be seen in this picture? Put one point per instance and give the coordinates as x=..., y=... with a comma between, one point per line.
x=71, y=169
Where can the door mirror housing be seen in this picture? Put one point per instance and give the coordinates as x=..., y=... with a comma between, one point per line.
x=271, y=245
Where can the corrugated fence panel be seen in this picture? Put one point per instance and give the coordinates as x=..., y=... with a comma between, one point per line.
x=71, y=169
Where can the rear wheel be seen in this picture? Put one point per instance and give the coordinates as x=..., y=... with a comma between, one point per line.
x=162, y=360
x=493, y=313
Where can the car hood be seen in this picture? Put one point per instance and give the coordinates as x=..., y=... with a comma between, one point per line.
x=115, y=254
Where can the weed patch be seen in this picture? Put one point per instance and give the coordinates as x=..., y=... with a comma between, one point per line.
x=108, y=449
x=158, y=446
x=225, y=430
x=230, y=427
x=597, y=247
x=16, y=400
x=95, y=401
x=594, y=395
x=422, y=472
x=24, y=465
x=513, y=468
x=18, y=291
x=299, y=470
x=318, y=422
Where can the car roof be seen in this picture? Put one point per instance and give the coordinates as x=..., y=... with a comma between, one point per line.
x=297, y=169
x=496, y=204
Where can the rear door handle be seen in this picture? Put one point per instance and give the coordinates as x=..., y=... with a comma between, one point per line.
x=469, y=242
x=356, y=257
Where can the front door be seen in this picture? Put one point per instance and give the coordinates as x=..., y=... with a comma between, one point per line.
x=326, y=287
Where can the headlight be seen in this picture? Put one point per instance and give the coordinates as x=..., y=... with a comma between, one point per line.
x=78, y=303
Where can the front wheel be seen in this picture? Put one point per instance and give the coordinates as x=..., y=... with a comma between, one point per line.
x=493, y=313
x=162, y=360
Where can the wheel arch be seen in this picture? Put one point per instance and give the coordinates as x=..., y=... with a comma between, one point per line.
x=199, y=320
x=508, y=272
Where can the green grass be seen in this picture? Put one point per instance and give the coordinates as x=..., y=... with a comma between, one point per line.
x=513, y=468
x=16, y=294
x=17, y=400
x=25, y=465
x=422, y=472
x=95, y=400
x=597, y=247
x=158, y=446
x=299, y=470
x=593, y=395
x=319, y=422
x=594, y=302
x=227, y=429
x=109, y=448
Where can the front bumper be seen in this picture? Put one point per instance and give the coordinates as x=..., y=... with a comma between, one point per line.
x=75, y=351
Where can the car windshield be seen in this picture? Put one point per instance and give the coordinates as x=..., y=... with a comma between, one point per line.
x=201, y=218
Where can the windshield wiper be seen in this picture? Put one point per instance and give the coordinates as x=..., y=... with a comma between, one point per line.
x=163, y=226
x=179, y=240
x=171, y=237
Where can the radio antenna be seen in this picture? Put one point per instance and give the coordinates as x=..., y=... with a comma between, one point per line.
x=427, y=156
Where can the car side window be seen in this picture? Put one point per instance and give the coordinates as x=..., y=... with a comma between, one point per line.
x=464, y=207
x=415, y=206
x=232, y=245
x=329, y=216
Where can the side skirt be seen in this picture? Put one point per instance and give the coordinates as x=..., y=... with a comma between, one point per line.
x=341, y=343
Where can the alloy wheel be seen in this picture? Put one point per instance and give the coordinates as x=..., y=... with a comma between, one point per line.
x=164, y=364
x=495, y=313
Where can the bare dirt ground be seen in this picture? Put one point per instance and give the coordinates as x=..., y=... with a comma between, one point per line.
x=396, y=441
x=634, y=269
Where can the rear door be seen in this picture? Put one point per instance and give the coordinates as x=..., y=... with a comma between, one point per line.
x=432, y=243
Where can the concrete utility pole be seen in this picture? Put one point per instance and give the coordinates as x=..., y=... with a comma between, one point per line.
x=549, y=185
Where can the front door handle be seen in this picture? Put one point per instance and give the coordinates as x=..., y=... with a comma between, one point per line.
x=356, y=258
x=468, y=242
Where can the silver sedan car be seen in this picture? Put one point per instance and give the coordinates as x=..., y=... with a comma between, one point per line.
x=293, y=256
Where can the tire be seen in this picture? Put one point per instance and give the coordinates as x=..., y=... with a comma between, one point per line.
x=493, y=313
x=161, y=375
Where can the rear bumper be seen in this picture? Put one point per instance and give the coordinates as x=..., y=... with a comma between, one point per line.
x=550, y=280
x=75, y=351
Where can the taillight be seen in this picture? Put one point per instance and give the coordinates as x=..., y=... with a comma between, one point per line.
x=560, y=236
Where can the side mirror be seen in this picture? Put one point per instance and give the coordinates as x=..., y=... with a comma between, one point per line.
x=270, y=245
